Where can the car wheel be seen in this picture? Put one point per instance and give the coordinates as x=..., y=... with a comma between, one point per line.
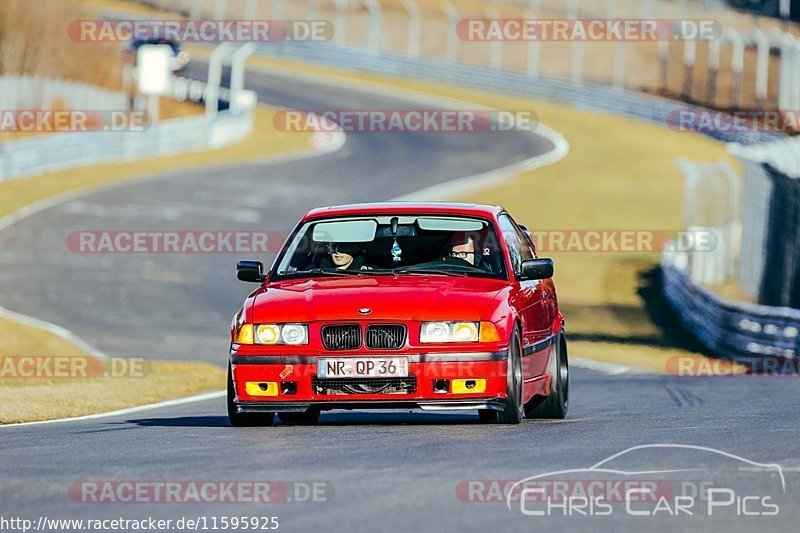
x=514, y=410
x=309, y=417
x=244, y=419
x=557, y=403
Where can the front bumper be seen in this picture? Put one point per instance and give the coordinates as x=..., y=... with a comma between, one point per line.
x=433, y=375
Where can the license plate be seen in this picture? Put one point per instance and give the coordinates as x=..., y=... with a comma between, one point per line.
x=371, y=367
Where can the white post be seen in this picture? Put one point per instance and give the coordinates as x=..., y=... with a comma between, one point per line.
x=737, y=65
x=277, y=10
x=496, y=47
x=237, y=73
x=250, y=12
x=220, y=9
x=714, y=49
x=785, y=87
x=794, y=100
x=762, y=66
x=196, y=11
x=311, y=9
x=689, y=60
x=375, y=24
x=215, y=78
x=578, y=47
x=618, y=78
x=534, y=47
x=414, y=29
x=453, y=16
x=340, y=23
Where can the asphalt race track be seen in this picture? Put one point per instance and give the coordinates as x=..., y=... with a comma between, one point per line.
x=390, y=471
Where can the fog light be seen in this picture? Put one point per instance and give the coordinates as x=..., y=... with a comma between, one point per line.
x=289, y=387
x=261, y=388
x=440, y=385
x=468, y=386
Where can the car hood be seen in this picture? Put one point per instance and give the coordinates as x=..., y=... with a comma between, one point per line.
x=409, y=297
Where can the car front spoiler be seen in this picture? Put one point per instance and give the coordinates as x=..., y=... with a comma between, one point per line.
x=496, y=404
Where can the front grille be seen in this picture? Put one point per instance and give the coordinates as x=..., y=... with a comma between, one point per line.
x=405, y=385
x=386, y=337
x=341, y=337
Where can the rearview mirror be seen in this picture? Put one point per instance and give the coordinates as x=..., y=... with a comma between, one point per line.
x=250, y=271
x=536, y=269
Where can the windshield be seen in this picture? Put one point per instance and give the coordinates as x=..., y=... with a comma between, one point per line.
x=394, y=245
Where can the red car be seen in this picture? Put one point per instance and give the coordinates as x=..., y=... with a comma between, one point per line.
x=400, y=305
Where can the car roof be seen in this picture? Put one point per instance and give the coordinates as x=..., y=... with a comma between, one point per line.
x=406, y=208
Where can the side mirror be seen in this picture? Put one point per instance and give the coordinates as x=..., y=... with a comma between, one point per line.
x=536, y=269
x=250, y=271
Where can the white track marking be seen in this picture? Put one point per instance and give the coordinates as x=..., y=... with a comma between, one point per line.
x=58, y=331
x=168, y=403
x=605, y=368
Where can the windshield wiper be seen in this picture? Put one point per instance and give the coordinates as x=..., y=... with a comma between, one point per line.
x=324, y=271
x=431, y=271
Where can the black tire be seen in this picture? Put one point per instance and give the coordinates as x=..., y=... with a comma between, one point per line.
x=514, y=410
x=309, y=417
x=242, y=419
x=556, y=405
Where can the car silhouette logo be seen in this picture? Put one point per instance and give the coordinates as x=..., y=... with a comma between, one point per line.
x=364, y=311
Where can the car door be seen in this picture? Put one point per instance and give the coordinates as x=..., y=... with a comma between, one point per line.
x=530, y=298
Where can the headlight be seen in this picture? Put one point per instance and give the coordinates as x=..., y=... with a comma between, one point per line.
x=449, y=332
x=270, y=334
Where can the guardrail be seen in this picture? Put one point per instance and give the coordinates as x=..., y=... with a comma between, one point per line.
x=733, y=329
x=687, y=68
x=58, y=151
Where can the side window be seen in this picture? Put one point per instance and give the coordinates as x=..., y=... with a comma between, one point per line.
x=516, y=246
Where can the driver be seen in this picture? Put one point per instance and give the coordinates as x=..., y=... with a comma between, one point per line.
x=462, y=248
x=346, y=256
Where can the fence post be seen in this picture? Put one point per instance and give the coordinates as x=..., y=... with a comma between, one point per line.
x=215, y=78
x=414, y=28
x=714, y=48
x=618, y=76
x=451, y=46
x=250, y=10
x=785, y=84
x=578, y=47
x=762, y=66
x=277, y=10
x=737, y=65
x=496, y=47
x=237, y=73
x=220, y=9
x=196, y=10
x=340, y=23
x=375, y=24
x=795, y=84
x=311, y=9
x=534, y=47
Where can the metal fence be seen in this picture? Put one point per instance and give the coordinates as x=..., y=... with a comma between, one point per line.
x=57, y=151
x=755, y=62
